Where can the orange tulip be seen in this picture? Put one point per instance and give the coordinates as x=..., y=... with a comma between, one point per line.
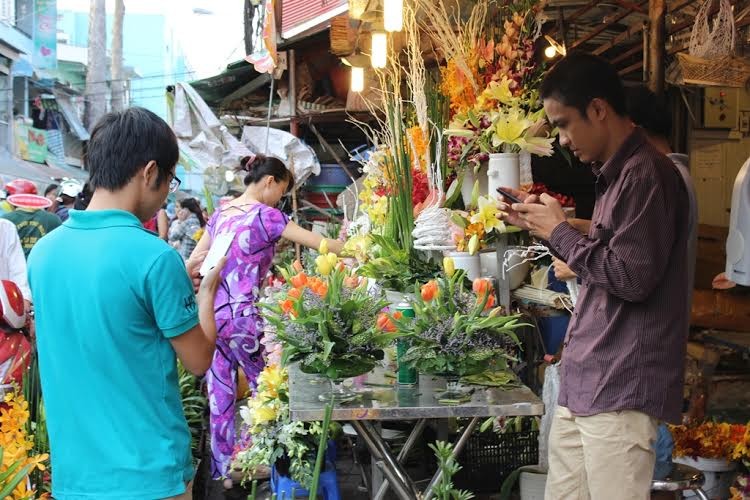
x=481, y=286
x=288, y=307
x=297, y=266
x=319, y=287
x=299, y=280
x=352, y=281
x=385, y=323
x=429, y=290
x=490, y=301
x=294, y=293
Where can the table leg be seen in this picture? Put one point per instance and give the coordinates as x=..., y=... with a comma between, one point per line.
x=459, y=446
x=384, y=459
x=416, y=432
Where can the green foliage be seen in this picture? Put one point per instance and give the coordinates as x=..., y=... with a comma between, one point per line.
x=452, y=334
x=194, y=404
x=395, y=267
x=448, y=465
x=334, y=335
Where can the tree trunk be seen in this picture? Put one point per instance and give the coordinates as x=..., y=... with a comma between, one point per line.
x=118, y=78
x=96, y=77
x=248, y=17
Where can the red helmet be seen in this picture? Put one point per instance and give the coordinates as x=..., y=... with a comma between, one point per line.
x=12, y=309
x=20, y=186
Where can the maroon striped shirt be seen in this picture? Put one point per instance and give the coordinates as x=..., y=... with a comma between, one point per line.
x=625, y=346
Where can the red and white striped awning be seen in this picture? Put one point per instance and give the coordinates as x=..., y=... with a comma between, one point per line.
x=299, y=16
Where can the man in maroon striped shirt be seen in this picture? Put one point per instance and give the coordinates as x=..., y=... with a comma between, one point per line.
x=623, y=362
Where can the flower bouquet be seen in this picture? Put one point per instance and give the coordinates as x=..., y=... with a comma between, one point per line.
x=275, y=438
x=707, y=440
x=456, y=332
x=741, y=488
x=327, y=322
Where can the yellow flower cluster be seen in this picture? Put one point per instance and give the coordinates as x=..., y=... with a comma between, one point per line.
x=17, y=444
x=266, y=405
x=457, y=86
x=707, y=440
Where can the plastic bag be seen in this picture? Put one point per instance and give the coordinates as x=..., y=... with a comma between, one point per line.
x=717, y=42
x=550, y=392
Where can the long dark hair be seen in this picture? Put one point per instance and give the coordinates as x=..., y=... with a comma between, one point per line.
x=259, y=167
x=194, y=207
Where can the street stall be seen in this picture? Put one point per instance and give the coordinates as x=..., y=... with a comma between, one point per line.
x=447, y=101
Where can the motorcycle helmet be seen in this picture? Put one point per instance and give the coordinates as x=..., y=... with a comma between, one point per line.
x=12, y=309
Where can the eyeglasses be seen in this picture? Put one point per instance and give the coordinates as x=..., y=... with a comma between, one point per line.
x=174, y=184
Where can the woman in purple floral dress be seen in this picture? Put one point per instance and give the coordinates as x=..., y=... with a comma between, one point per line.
x=256, y=227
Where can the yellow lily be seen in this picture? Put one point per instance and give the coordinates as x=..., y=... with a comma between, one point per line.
x=486, y=215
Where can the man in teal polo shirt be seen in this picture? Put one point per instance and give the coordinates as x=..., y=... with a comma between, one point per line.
x=107, y=346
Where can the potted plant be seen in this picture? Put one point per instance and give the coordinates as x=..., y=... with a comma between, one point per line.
x=274, y=439
x=457, y=332
x=709, y=447
x=326, y=322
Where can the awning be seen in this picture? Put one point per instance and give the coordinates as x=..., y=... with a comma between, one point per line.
x=41, y=174
x=67, y=110
x=215, y=89
x=300, y=16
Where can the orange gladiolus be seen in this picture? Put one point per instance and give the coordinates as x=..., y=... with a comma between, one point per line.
x=299, y=280
x=294, y=293
x=297, y=266
x=490, y=301
x=429, y=290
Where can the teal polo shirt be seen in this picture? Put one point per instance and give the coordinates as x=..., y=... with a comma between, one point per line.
x=108, y=297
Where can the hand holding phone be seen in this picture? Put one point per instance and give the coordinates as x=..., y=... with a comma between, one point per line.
x=508, y=196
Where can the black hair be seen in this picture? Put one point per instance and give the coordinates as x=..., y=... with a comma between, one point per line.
x=123, y=142
x=259, y=167
x=50, y=188
x=649, y=111
x=579, y=78
x=84, y=198
x=195, y=207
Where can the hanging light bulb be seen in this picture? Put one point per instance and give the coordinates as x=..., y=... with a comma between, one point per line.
x=393, y=15
x=358, y=79
x=379, y=49
x=229, y=176
x=550, y=52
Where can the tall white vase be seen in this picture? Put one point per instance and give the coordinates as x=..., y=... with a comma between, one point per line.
x=468, y=185
x=504, y=170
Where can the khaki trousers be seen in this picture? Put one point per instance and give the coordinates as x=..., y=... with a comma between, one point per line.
x=188, y=495
x=608, y=456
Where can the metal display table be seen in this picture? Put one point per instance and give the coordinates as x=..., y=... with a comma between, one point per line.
x=381, y=400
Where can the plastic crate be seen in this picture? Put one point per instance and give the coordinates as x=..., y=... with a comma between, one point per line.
x=489, y=458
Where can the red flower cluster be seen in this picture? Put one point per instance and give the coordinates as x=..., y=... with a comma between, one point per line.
x=420, y=186
x=539, y=188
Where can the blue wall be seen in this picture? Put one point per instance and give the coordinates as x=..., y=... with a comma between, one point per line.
x=146, y=47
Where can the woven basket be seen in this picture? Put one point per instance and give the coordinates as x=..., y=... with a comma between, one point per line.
x=342, y=36
x=729, y=71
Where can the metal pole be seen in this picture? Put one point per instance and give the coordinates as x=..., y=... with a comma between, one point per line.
x=657, y=14
x=415, y=434
x=268, y=118
x=399, y=480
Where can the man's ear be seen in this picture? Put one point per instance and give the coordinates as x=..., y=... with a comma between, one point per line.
x=150, y=173
x=598, y=109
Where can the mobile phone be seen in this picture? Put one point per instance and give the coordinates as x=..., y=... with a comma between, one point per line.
x=509, y=196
